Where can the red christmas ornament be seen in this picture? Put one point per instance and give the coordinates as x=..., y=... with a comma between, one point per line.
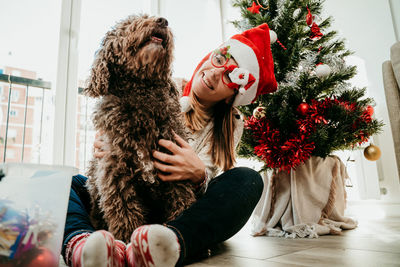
x=366, y=116
x=45, y=258
x=309, y=17
x=255, y=9
x=370, y=110
x=315, y=32
x=303, y=109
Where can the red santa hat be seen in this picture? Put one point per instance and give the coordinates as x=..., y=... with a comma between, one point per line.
x=251, y=50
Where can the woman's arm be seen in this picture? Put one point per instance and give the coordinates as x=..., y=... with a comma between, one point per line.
x=183, y=164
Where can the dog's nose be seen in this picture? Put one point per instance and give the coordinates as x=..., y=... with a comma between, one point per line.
x=162, y=22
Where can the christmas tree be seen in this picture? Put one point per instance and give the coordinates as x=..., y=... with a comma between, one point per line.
x=315, y=110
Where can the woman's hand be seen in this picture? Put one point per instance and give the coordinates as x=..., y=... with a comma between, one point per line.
x=99, y=146
x=183, y=164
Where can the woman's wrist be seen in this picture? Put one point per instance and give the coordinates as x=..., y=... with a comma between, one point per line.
x=203, y=180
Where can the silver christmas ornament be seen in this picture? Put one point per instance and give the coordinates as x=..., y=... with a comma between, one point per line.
x=322, y=70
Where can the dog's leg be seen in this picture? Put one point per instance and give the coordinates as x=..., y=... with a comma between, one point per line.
x=123, y=209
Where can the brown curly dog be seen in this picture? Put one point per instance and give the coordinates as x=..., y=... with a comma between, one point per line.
x=138, y=106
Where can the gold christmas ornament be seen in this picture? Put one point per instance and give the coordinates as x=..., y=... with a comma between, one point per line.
x=372, y=152
x=259, y=112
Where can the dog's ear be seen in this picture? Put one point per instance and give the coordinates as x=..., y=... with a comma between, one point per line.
x=98, y=82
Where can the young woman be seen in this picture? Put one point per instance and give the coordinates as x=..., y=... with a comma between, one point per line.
x=232, y=75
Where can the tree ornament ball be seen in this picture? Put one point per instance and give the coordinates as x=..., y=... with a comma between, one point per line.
x=296, y=13
x=45, y=258
x=372, y=152
x=322, y=70
x=303, y=108
x=259, y=112
x=370, y=110
x=309, y=18
x=272, y=36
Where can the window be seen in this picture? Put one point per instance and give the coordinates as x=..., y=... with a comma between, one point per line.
x=13, y=113
x=11, y=154
x=29, y=49
x=11, y=137
x=14, y=95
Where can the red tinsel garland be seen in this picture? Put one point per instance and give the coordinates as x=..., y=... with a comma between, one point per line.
x=285, y=153
x=275, y=150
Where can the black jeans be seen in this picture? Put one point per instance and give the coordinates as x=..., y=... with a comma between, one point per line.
x=215, y=217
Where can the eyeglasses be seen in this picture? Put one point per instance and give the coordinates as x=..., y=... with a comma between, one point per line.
x=219, y=59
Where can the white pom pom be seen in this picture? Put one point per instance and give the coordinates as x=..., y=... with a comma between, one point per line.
x=272, y=36
x=242, y=90
x=322, y=70
x=296, y=13
x=185, y=104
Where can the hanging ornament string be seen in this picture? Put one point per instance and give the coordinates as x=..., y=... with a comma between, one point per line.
x=273, y=37
x=315, y=30
x=284, y=48
x=265, y=8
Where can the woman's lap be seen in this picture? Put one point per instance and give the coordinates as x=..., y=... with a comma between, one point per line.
x=219, y=214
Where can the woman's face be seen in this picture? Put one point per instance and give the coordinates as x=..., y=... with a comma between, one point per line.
x=208, y=86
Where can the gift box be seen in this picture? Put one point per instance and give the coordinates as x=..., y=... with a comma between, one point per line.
x=33, y=207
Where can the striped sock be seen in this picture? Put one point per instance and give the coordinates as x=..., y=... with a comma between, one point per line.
x=130, y=262
x=98, y=249
x=154, y=245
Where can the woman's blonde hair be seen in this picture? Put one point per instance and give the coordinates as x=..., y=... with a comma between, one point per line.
x=222, y=148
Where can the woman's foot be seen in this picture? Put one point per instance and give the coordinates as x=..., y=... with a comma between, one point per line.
x=153, y=245
x=98, y=249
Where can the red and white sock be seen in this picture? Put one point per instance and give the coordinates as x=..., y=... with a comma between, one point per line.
x=98, y=249
x=130, y=260
x=153, y=245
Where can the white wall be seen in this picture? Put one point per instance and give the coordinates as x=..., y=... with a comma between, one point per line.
x=395, y=5
x=367, y=26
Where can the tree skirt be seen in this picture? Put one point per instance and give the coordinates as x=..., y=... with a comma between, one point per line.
x=307, y=202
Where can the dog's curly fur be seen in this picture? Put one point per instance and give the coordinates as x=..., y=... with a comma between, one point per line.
x=138, y=106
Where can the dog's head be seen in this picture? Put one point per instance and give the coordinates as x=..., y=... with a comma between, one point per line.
x=139, y=48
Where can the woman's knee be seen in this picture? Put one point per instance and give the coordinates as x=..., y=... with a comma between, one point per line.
x=78, y=180
x=247, y=178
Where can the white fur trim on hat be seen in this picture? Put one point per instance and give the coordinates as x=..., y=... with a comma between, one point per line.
x=246, y=59
x=185, y=104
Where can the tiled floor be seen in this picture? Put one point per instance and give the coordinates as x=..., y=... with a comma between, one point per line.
x=376, y=242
